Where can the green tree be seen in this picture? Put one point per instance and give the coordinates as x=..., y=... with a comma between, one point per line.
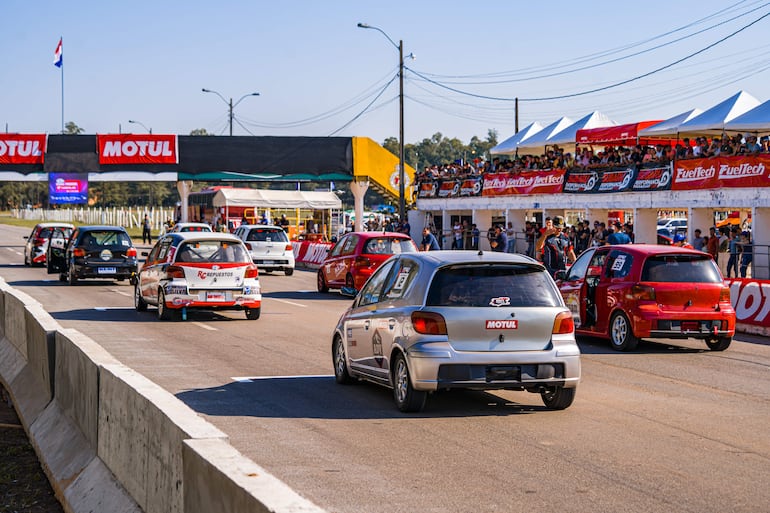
x=70, y=128
x=199, y=131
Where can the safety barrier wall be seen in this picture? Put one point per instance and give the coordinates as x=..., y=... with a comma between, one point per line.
x=111, y=440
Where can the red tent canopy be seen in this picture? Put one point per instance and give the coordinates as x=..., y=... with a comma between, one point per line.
x=621, y=135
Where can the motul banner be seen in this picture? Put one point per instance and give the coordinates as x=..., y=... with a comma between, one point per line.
x=471, y=186
x=527, y=182
x=22, y=148
x=137, y=149
x=716, y=172
x=751, y=300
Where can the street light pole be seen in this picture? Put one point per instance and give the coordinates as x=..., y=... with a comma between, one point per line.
x=230, y=104
x=401, y=173
x=140, y=124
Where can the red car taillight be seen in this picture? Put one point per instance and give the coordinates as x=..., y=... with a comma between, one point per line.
x=252, y=271
x=78, y=252
x=724, y=295
x=563, y=324
x=643, y=293
x=131, y=252
x=174, y=271
x=429, y=323
x=289, y=247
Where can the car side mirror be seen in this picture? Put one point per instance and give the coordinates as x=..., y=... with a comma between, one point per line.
x=560, y=274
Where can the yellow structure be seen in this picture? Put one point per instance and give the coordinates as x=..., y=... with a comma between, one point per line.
x=380, y=167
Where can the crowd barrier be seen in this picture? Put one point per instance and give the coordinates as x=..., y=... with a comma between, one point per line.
x=110, y=439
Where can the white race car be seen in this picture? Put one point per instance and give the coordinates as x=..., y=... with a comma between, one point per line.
x=196, y=270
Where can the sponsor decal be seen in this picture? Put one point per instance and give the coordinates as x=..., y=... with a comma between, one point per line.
x=137, y=149
x=547, y=181
x=728, y=172
x=507, y=324
x=500, y=301
x=22, y=148
x=202, y=274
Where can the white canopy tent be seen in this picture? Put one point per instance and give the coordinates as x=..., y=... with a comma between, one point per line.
x=511, y=145
x=712, y=121
x=569, y=135
x=537, y=142
x=264, y=198
x=755, y=120
x=670, y=126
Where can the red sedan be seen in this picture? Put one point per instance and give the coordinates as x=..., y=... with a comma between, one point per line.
x=357, y=255
x=632, y=291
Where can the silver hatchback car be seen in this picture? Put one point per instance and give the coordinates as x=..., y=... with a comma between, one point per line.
x=459, y=319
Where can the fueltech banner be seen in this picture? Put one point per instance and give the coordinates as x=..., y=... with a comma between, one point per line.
x=22, y=148
x=137, y=149
x=716, y=172
x=527, y=182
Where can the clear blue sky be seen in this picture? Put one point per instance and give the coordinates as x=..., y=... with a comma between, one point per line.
x=316, y=71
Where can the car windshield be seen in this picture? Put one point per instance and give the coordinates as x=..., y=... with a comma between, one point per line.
x=98, y=238
x=267, y=235
x=680, y=269
x=389, y=246
x=492, y=285
x=201, y=251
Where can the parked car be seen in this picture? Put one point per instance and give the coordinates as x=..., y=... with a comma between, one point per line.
x=443, y=320
x=202, y=271
x=357, y=255
x=673, y=225
x=104, y=252
x=631, y=292
x=36, y=247
x=190, y=227
x=269, y=247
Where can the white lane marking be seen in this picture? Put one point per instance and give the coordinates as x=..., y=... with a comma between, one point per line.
x=250, y=379
x=204, y=326
x=122, y=293
x=284, y=301
x=105, y=308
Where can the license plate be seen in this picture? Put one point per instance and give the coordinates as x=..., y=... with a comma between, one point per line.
x=690, y=326
x=216, y=296
x=504, y=373
x=106, y=270
x=268, y=262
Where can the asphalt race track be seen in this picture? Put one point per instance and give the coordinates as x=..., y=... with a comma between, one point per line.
x=669, y=427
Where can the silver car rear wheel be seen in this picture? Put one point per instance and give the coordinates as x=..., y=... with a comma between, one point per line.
x=341, y=373
x=407, y=398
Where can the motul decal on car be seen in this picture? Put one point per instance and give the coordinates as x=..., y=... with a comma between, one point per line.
x=507, y=324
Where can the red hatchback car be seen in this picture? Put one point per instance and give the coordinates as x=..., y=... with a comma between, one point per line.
x=357, y=255
x=628, y=292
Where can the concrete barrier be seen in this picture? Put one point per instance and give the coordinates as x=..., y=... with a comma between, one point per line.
x=238, y=484
x=110, y=439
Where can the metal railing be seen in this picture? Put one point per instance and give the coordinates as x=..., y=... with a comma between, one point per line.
x=127, y=217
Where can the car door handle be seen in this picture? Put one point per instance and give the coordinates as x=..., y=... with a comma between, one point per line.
x=367, y=324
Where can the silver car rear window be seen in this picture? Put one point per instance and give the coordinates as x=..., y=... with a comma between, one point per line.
x=201, y=251
x=492, y=285
x=267, y=235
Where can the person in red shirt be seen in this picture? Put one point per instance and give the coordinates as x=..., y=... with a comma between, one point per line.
x=712, y=245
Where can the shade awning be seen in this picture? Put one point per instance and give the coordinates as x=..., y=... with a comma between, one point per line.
x=624, y=135
x=264, y=198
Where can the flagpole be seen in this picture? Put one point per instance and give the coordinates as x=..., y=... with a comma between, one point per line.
x=62, y=88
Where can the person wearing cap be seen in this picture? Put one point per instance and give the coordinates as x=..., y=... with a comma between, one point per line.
x=618, y=235
x=556, y=247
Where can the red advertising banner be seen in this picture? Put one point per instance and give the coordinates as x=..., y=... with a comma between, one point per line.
x=751, y=300
x=137, y=149
x=22, y=148
x=527, y=182
x=716, y=172
x=310, y=254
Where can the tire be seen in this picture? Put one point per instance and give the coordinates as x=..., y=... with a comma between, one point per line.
x=341, y=374
x=558, y=398
x=621, y=335
x=165, y=313
x=253, y=314
x=718, y=344
x=26, y=261
x=139, y=303
x=408, y=400
x=289, y=271
x=322, y=286
x=71, y=278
